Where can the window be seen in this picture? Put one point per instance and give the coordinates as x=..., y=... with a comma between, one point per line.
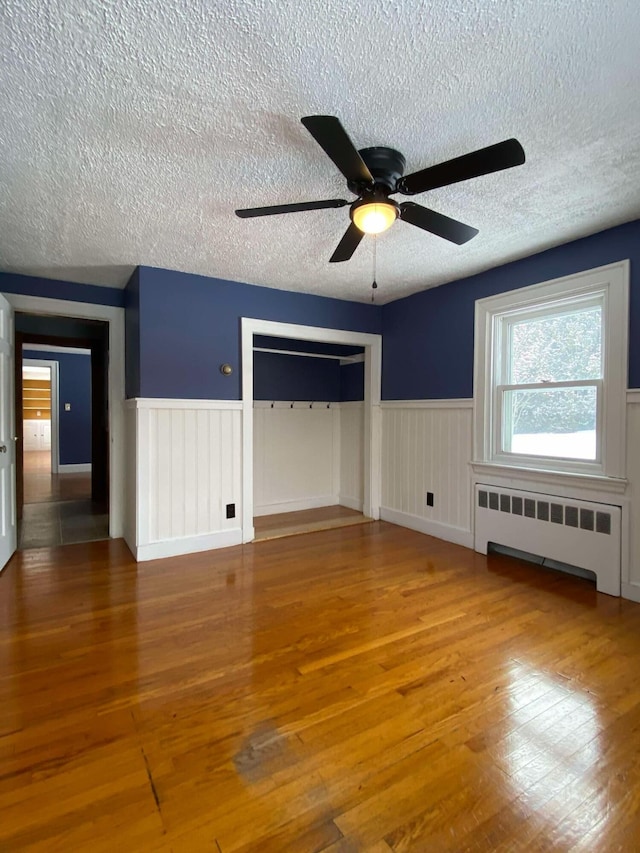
x=551, y=374
x=549, y=382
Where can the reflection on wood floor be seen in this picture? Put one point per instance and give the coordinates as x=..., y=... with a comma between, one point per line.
x=305, y=521
x=362, y=689
x=41, y=486
x=57, y=507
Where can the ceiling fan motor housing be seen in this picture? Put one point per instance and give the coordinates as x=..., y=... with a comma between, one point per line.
x=385, y=164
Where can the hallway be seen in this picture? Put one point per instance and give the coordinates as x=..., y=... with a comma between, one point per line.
x=58, y=509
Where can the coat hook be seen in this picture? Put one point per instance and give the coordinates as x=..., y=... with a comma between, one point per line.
x=291, y=406
x=311, y=405
x=328, y=405
x=272, y=404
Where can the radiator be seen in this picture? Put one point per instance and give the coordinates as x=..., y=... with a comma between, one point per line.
x=579, y=533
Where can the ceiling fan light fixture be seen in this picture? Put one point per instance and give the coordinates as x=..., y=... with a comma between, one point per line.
x=373, y=174
x=374, y=217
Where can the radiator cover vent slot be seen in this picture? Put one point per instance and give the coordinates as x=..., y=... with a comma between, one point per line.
x=571, y=516
x=603, y=522
x=557, y=513
x=579, y=533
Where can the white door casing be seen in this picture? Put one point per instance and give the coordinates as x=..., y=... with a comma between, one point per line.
x=115, y=318
x=372, y=389
x=8, y=538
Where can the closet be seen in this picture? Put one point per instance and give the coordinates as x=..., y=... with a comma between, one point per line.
x=308, y=426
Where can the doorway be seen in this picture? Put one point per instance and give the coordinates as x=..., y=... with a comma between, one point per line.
x=62, y=459
x=372, y=346
x=308, y=436
x=113, y=316
x=39, y=422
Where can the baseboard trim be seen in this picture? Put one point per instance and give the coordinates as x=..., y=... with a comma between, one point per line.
x=350, y=503
x=188, y=545
x=630, y=591
x=76, y=468
x=295, y=506
x=457, y=535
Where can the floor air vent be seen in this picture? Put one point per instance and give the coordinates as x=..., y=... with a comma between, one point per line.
x=579, y=533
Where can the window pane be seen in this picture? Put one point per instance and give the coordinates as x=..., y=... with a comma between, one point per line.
x=551, y=422
x=556, y=349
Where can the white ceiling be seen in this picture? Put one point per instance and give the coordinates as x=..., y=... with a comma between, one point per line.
x=132, y=129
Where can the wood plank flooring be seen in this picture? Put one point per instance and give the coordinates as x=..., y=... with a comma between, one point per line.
x=41, y=486
x=361, y=689
x=58, y=508
x=306, y=521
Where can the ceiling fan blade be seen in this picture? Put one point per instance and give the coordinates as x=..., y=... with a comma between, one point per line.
x=436, y=223
x=247, y=212
x=347, y=246
x=502, y=155
x=334, y=140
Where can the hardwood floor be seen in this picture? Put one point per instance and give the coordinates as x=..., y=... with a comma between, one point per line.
x=305, y=521
x=41, y=486
x=367, y=688
x=57, y=507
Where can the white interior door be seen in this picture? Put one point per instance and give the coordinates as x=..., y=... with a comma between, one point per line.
x=7, y=443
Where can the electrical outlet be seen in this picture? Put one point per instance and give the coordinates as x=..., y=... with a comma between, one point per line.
x=429, y=498
x=231, y=510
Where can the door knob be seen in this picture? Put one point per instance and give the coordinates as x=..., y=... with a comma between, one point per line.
x=3, y=448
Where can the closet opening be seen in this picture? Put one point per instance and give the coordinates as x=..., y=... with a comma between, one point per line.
x=310, y=429
x=308, y=436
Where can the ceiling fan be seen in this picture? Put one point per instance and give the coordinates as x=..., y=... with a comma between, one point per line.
x=374, y=174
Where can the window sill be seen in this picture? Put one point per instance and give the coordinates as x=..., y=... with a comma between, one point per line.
x=553, y=479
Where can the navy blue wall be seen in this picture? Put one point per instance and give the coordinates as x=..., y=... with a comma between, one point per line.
x=74, y=372
x=182, y=327
x=293, y=377
x=33, y=286
x=132, y=335
x=352, y=382
x=190, y=325
x=428, y=337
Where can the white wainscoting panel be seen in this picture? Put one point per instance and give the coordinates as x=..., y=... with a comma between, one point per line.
x=631, y=571
x=131, y=480
x=352, y=455
x=296, y=456
x=188, y=464
x=427, y=447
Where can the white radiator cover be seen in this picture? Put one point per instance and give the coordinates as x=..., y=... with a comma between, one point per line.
x=580, y=533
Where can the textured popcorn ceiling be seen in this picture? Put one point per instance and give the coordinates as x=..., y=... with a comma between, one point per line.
x=132, y=129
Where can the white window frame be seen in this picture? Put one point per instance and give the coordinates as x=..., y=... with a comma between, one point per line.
x=608, y=286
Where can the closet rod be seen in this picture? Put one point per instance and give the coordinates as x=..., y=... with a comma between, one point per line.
x=354, y=358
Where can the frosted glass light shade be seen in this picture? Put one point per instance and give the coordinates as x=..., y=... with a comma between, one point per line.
x=374, y=217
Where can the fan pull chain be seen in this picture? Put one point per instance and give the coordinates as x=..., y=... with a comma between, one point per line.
x=374, y=286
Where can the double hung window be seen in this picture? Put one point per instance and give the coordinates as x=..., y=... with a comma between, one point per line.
x=551, y=374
